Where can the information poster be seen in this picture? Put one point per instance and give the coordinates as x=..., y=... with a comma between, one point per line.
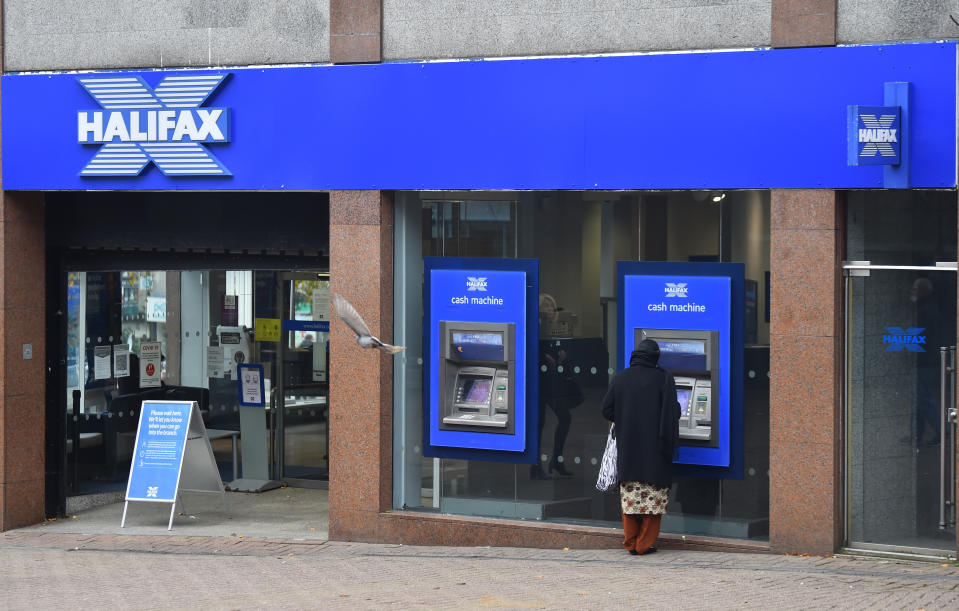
x=158, y=453
x=321, y=303
x=214, y=362
x=319, y=361
x=121, y=361
x=149, y=364
x=156, y=309
x=267, y=329
x=101, y=363
x=250, y=379
x=229, y=313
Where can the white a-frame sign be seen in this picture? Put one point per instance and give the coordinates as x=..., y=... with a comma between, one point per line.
x=172, y=454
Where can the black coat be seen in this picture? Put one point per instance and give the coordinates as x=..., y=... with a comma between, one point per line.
x=641, y=401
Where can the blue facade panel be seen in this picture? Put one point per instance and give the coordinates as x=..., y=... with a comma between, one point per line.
x=744, y=119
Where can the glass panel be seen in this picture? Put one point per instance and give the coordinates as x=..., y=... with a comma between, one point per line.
x=886, y=228
x=898, y=320
x=306, y=354
x=577, y=238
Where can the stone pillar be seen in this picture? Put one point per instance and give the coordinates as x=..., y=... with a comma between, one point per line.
x=22, y=380
x=803, y=23
x=356, y=28
x=361, y=381
x=805, y=486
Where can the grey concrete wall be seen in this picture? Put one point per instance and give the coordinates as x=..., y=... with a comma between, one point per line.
x=416, y=29
x=889, y=20
x=63, y=34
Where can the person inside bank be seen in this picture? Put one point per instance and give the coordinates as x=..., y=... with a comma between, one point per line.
x=642, y=404
x=558, y=390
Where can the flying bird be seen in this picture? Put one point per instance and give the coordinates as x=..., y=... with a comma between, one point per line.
x=355, y=322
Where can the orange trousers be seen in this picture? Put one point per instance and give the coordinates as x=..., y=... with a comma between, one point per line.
x=641, y=531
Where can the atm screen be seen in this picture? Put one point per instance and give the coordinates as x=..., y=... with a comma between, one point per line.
x=682, y=395
x=491, y=339
x=682, y=354
x=682, y=347
x=476, y=390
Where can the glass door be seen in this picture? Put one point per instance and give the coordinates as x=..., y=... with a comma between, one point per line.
x=900, y=390
x=302, y=443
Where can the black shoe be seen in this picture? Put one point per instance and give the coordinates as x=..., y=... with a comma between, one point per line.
x=633, y=552
x=651, y=550
x=560, y=468
x=536, y=472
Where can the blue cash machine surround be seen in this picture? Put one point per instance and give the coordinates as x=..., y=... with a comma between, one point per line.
x=491, y=294
x=708, y=298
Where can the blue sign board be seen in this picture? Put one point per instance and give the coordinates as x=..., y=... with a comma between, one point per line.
x=489, y=294
x=693, y=297
x=158, y=451
x=778, y=116
x=306, y=325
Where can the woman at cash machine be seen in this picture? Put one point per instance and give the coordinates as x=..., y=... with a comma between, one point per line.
x=642, y=404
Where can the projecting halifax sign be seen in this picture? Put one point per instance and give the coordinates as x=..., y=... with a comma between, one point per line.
x=877, y=135
x=137, y=125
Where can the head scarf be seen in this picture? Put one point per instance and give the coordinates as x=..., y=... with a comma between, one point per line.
x=646, y=353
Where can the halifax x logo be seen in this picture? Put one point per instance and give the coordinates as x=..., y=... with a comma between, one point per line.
x=909, y=339
x=870, y=149
x=139, y=125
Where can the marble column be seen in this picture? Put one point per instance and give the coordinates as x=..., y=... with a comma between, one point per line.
x=805, y=438
x=22, y=359
x=361, y=381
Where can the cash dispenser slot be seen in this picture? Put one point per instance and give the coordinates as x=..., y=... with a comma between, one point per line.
x=692, y=357
x=477, y=369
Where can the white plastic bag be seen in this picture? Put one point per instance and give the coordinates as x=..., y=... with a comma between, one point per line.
x=608, y=479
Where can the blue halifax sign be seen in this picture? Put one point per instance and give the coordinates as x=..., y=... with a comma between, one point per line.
x=898, y=339
x=878, y=135
x=310, y=127
x=138, y=125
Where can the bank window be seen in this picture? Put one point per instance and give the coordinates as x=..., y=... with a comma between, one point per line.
x=577, y=237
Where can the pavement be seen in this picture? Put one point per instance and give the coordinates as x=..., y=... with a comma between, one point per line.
x=283, y=513
x=48, y=569
x=270, y=551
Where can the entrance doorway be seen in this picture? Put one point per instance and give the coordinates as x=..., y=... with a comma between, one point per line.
x=302, y=441
x=899, y=372
x=901, y=359
x=200, y=324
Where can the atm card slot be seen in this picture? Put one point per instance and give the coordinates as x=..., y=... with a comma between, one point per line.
x=472, y=420
x=697, y=433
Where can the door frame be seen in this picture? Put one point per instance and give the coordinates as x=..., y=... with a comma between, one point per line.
x=850, y=270
x=279, y=389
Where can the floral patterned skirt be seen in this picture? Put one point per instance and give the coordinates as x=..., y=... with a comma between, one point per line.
x=640, y=497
